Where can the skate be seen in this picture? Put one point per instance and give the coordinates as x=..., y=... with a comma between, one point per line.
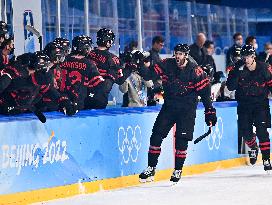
x=253, y=155
x=267, y=166
x=147, y=175
x=176, y=176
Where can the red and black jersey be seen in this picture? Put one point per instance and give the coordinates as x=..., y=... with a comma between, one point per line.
x=10, y=73
x=15, y=70
x=251, y=86
x=181, y=85
x=107, y=63
x=111, y=70
x=24, y=93
x=76, y=75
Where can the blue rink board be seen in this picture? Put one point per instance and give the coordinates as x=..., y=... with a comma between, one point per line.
x=98, y=144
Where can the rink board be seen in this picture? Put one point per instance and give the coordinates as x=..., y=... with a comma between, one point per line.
x=100, y=150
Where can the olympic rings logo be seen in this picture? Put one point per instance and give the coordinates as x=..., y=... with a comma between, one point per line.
x=214, y=139
x=129, y=143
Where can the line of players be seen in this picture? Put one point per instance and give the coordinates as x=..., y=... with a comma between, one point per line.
x=62, y=77
x=57, y=79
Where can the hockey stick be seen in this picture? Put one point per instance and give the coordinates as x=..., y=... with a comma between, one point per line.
x=36, y=33
x=36, y=112
x=197, y=140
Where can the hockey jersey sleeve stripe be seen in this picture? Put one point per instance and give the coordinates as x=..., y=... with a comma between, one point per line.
x=45, y=88
x=202, y=82
x=203, y=86
x=107, y=75
x=17, y=74
x=102, y=71
x=158, y=69
x=34, y=79
x=95, y=84
x=269, y=83
x=95, y=78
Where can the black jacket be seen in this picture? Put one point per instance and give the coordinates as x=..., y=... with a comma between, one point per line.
x=154, y=56
x=198, y=54
x=230, y=55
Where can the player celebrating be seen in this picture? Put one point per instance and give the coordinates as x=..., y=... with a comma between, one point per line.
x=183, y=80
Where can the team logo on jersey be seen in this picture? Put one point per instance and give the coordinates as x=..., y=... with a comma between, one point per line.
x=29, y=44
x=129, y=143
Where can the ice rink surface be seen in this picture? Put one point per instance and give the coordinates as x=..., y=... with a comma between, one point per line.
x=243, y=185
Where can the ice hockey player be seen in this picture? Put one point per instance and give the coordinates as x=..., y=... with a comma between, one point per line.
x=56, y=52
x=109, y=67
x=183, y=81
x=24, y=83
x=78, y=72
x=252, y=81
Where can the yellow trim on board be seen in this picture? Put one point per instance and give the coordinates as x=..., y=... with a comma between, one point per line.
x=47, y=194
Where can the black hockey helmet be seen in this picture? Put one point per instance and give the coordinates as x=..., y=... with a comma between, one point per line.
x=39, y=61
x=182, y=48
x=64, y=43
x=25, y=58
x=105, y=36
x=82, y=45
x=3, y=30
x=55, y=52
x=247, y=50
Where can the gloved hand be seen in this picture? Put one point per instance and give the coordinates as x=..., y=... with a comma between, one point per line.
x=210, y=116
x=138, y=58
x=68, y=107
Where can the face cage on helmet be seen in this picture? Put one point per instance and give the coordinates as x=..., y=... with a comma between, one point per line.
x=67, y=50
x=45, y=66
x=58, y=57
x=84, y=49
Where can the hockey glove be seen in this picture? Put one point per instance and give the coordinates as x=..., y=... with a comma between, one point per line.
x=210, y=116
x=67, y=107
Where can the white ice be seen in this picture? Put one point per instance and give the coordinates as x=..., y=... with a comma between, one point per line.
x=244, y=185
